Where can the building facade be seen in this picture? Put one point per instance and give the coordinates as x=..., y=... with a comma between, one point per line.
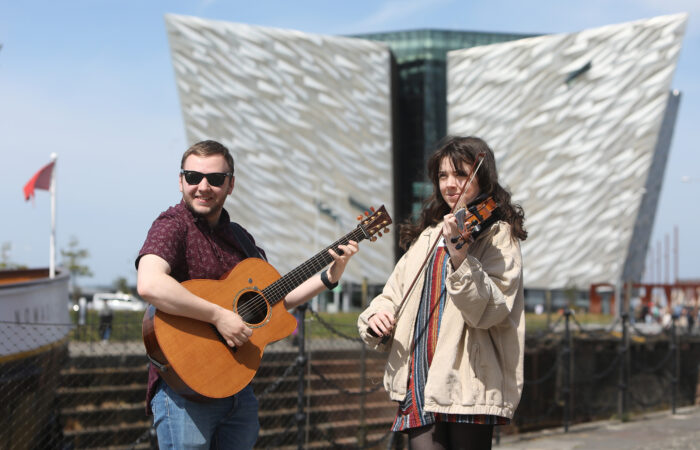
x=325, y=126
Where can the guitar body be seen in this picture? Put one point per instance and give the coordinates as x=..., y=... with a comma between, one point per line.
x=191, y=355
x=196, y=363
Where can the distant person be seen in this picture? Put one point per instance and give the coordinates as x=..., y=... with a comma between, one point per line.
x=667, y=318
x=106, y=317
x=195, y=240
x=690, y=319
x=455, y=363
x=645, y=314
x=656, y=313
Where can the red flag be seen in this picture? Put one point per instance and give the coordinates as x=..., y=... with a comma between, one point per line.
x=40, y=180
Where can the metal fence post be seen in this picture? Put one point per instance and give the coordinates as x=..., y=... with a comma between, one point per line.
x=566, y=388
x=362, y=437
x=623, y=380
x=301, y=363
x=675, y=363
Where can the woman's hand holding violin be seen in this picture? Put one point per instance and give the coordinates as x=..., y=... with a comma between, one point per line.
x=455, y=243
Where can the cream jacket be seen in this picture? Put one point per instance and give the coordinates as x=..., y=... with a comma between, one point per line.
x=478, y=363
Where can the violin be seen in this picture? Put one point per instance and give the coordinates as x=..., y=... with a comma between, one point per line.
x=474, y=219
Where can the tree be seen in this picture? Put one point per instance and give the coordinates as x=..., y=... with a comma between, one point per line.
x=73, y=260
x=5, y=262
x=121, y=284
x=5, y=256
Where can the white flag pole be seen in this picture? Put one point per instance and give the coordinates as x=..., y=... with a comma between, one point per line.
x=52, y=240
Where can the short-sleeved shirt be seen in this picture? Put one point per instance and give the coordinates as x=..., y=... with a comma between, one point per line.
x=194, y=250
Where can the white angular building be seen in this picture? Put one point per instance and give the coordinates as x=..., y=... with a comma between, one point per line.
x=581, y=125
x=308, y=120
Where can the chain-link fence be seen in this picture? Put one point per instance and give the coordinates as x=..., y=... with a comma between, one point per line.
x=321, y=387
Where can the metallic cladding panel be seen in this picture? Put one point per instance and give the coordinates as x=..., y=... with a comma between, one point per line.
x=639, y=244
x=574, y=121
x=308, y=120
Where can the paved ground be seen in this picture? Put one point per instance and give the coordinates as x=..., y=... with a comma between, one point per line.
x=661, y=430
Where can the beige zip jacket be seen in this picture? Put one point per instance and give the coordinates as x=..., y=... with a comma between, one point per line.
x=478, y=363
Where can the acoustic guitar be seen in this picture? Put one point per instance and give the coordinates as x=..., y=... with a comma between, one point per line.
x=193, y=358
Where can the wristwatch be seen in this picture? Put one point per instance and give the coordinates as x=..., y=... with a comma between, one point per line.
x=324, y=277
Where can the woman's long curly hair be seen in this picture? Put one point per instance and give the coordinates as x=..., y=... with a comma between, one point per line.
x=464, y=150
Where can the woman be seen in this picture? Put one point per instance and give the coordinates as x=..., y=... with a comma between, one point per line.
x=455, y=360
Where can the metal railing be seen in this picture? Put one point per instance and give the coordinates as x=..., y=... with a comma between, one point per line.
x=85, y=391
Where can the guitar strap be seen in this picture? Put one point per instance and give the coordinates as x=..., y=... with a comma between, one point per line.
x=250, y=250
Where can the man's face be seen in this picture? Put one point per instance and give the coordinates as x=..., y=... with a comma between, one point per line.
x=203, y=198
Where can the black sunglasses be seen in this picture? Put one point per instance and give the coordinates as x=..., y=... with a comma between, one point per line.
x=215, y=179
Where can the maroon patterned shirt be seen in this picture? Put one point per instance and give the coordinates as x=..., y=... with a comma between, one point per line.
x=194, y=250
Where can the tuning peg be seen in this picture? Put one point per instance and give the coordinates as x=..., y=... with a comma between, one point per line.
x=359, y=217
x=371, y=208
x=379, y=233
x=373, y=238
x=386, y=230
x=366, y=213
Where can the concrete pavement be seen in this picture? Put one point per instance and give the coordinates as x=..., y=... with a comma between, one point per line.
x=651, y=431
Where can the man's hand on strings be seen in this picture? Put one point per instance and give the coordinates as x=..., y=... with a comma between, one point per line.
x=337, y=267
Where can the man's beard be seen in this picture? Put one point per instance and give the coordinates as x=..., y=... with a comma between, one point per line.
x=189, y=204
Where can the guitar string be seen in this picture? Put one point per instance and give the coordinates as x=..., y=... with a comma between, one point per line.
x=258, y=303
x=278, y=289
x=281, y=287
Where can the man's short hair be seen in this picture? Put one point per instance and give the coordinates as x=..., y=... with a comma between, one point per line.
x=208, y=148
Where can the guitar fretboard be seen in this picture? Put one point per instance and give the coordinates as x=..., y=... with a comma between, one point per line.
x=286, y=284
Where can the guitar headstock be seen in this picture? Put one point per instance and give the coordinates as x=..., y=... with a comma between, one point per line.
x=374, y=223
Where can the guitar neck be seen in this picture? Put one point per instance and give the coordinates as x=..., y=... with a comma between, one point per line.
x=279, y=289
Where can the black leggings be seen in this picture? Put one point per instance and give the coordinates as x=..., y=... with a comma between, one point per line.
x=452, y=436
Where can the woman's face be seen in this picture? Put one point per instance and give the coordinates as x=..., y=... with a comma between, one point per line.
x=451, y=181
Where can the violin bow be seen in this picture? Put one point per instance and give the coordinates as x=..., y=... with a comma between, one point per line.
x=475, y=168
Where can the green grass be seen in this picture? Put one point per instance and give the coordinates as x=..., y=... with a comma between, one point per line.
x=539, y=322
x=347, y=322
x=126, y=325
x=344, y=322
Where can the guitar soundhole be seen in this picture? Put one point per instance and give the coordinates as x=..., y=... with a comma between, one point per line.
x=252, y=307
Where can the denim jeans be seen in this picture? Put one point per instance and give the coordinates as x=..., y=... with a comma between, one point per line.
x=227, y=423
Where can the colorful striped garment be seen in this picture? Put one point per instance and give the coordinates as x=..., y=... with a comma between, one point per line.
x=411, y=413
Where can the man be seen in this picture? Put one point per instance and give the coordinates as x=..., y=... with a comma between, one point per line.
x=195, y=240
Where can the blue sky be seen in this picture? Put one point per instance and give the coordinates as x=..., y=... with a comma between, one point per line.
x=93, y=82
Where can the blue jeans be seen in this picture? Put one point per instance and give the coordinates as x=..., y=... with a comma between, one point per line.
x=226, y=423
